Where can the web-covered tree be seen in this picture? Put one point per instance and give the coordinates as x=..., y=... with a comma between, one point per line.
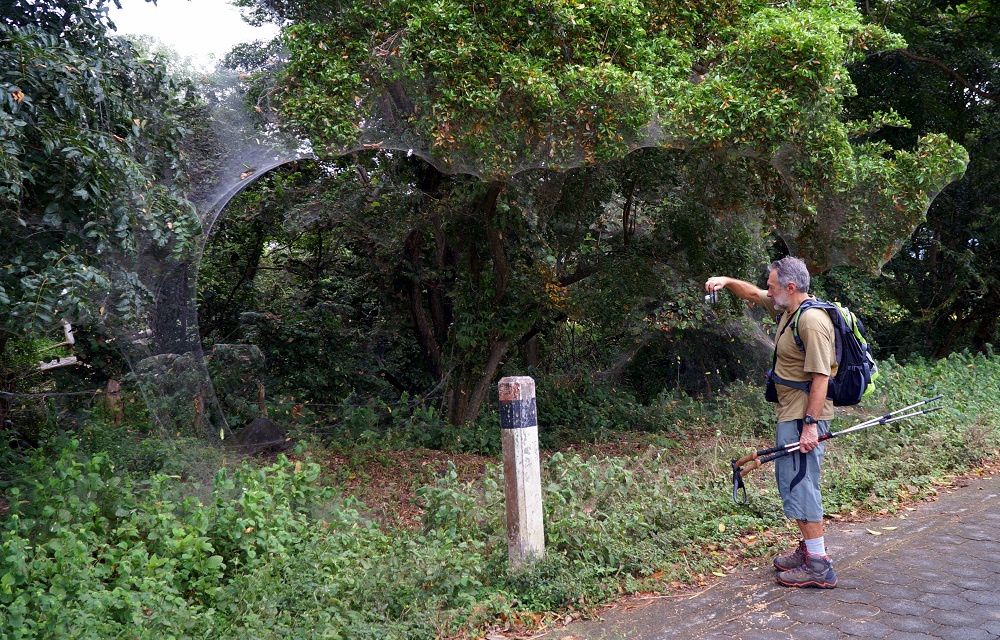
x=746, y=96
x=495, y=88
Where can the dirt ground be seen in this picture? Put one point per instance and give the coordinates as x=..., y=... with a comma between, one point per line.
x=387, y=481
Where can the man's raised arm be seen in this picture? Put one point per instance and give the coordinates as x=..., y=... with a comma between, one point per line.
x=738, y=288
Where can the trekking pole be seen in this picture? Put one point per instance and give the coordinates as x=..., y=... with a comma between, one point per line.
x=758, y=458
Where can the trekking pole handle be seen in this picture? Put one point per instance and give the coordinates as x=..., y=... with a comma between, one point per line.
x=757, y=454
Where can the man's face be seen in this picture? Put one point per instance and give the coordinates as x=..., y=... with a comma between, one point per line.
x=779, y=295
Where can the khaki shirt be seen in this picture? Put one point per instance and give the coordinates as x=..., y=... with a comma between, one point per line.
x=817, y=334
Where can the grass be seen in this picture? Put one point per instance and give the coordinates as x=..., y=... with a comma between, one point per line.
x=368, y=541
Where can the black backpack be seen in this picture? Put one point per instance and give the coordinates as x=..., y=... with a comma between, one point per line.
x=856, y=367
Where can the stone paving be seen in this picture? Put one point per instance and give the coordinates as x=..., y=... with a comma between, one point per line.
x=933, y=575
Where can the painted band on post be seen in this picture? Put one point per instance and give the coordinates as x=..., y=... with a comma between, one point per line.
x=517, y=403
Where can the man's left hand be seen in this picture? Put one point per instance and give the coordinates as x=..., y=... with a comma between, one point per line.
x=809, y=439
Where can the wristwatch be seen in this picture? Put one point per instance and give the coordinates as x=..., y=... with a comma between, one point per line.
x=809, y=419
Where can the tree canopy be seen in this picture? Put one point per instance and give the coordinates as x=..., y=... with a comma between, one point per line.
x=493, y=89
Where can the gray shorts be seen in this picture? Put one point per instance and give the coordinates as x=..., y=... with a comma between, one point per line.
x=798, y=474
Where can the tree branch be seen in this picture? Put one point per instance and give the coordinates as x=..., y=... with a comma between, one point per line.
x=582, y=272
x=951, y=73
x=497, y=350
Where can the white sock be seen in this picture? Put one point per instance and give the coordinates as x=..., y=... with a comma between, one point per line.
x=816, y=547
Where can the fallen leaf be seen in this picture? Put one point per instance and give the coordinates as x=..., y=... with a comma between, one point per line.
x=874, y=533
x=719, y=574
x=890, y=528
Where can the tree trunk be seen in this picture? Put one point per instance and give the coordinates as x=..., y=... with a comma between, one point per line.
x=441, y=315
x=985, y=331
x=944, y=347
x=493, y=361
x=628, y=220
x=533, y=352
x=421, y=326
x=465, y=403
x=469, y=390
x=173, y=315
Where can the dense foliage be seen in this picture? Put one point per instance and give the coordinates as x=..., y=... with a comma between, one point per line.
x=946, y=277
x=420, y=294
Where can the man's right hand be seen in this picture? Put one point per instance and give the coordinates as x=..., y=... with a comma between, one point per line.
x=715, y=283
x=738, y=288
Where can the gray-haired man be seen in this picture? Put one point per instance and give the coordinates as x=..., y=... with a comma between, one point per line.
x=801, y=416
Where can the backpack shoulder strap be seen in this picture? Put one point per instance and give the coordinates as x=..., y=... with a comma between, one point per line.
x=811, y=303
x=805, y=306
x=837, y=315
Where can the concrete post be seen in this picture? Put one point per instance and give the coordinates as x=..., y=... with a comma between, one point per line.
x=521, y=470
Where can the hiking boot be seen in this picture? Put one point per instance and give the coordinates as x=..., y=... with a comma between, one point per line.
x=793, y=560
x=816, y=571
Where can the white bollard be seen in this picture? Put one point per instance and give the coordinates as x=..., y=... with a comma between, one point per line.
x=521, y=470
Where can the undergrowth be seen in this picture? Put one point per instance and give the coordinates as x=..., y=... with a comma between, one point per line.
x=273, y=552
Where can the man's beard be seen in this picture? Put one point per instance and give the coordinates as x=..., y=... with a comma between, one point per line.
x=781, y=302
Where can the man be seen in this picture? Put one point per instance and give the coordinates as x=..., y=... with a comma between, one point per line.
x=802, y=416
